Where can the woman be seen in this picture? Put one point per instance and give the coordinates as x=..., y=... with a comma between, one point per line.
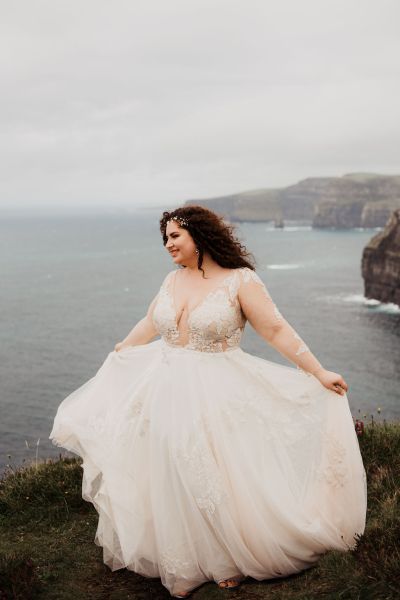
x=206, y=463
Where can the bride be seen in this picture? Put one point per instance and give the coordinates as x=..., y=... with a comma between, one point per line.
x=204, y=462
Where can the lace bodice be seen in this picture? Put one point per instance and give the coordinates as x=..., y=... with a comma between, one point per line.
x=214, y=325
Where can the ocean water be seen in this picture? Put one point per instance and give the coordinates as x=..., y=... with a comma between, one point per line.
x=72, y=286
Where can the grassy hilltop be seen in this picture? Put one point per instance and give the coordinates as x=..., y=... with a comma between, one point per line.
x=47, y=549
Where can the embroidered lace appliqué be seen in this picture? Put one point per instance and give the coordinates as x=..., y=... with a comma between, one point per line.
x=132, y=422
x=175, y=563
x=249, y=275
x=97, y=424
x=286, y=424
x=215, y=325
x=334, y=469
x=303, y=346
x=203, y=474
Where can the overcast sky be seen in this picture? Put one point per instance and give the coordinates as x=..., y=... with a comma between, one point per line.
x=152, y=102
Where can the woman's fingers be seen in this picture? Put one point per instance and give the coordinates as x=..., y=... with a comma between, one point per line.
x=342, y=384
x=335, y=382
x=340, y=387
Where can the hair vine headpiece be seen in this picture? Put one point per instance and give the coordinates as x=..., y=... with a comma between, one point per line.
x=180, y=220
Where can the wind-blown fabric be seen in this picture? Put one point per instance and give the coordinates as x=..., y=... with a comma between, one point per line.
x=205, y=462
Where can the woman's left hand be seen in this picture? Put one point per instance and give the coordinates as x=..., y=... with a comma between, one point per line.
x=332, y=381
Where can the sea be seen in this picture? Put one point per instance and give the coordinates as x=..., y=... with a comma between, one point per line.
x=74, y=285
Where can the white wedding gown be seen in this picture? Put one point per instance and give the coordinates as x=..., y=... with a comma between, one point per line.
x=205, y=462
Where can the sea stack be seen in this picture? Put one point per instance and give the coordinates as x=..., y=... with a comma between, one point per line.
x=381, y=263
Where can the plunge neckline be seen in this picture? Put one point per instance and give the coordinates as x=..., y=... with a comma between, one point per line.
x=200, y=303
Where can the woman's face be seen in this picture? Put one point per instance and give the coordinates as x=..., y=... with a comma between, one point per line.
x=180, y=244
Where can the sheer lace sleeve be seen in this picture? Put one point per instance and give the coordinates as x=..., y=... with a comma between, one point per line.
x=144, y=330
x=263, y=315
x=153, y=303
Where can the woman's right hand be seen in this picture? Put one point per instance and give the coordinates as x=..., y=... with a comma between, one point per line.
x=118, y=347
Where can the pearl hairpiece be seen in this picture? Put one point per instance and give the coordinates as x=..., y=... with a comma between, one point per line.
x=180, y=220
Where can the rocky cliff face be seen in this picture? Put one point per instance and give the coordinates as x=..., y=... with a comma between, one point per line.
x=381, y=263
x=359, y=200
x=354, y=200
x=256, y=205
x=308, y=195
x=376, y=214
x=339, y=214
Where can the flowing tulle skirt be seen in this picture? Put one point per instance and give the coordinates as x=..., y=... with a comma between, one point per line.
x=204, y=466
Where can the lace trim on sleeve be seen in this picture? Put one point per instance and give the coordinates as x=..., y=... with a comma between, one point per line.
x=250, y=275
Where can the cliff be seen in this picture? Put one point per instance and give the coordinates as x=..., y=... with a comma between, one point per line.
x=358, y=200
x=381, y=263
x=255, y=205
x=376, y=214
x=354, y=200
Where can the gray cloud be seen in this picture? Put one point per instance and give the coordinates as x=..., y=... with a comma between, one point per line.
x=152, y=102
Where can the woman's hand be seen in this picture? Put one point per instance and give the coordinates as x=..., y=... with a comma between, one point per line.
x=332, y=381
x=118, y=346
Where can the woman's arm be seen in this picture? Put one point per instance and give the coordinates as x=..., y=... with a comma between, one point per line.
x=142, y=333
x=263, y=315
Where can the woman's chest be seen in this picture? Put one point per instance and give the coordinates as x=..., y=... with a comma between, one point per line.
x=216, y=316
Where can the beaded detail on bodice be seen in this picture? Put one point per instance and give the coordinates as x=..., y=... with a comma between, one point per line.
x=215, y=325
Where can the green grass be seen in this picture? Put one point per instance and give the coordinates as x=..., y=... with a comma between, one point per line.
x=47, y=532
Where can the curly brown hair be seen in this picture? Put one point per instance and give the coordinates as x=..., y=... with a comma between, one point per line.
x=211, y=234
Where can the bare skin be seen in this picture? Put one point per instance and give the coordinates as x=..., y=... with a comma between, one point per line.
x=227, y=583
x=190, y=285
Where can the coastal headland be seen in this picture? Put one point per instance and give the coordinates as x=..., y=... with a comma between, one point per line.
x=353, y=200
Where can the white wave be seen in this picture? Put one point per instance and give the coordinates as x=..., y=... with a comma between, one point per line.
x=370, y=303
x=353, y=299
x=388, y=307
x=289, y=228
x=284, y=267
x=368, y=229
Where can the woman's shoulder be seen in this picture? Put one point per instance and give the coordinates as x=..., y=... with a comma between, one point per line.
x=248, y=275
x=168, y=276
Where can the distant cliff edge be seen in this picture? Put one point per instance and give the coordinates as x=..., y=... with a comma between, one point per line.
x=354, y=200
x=381, y=263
